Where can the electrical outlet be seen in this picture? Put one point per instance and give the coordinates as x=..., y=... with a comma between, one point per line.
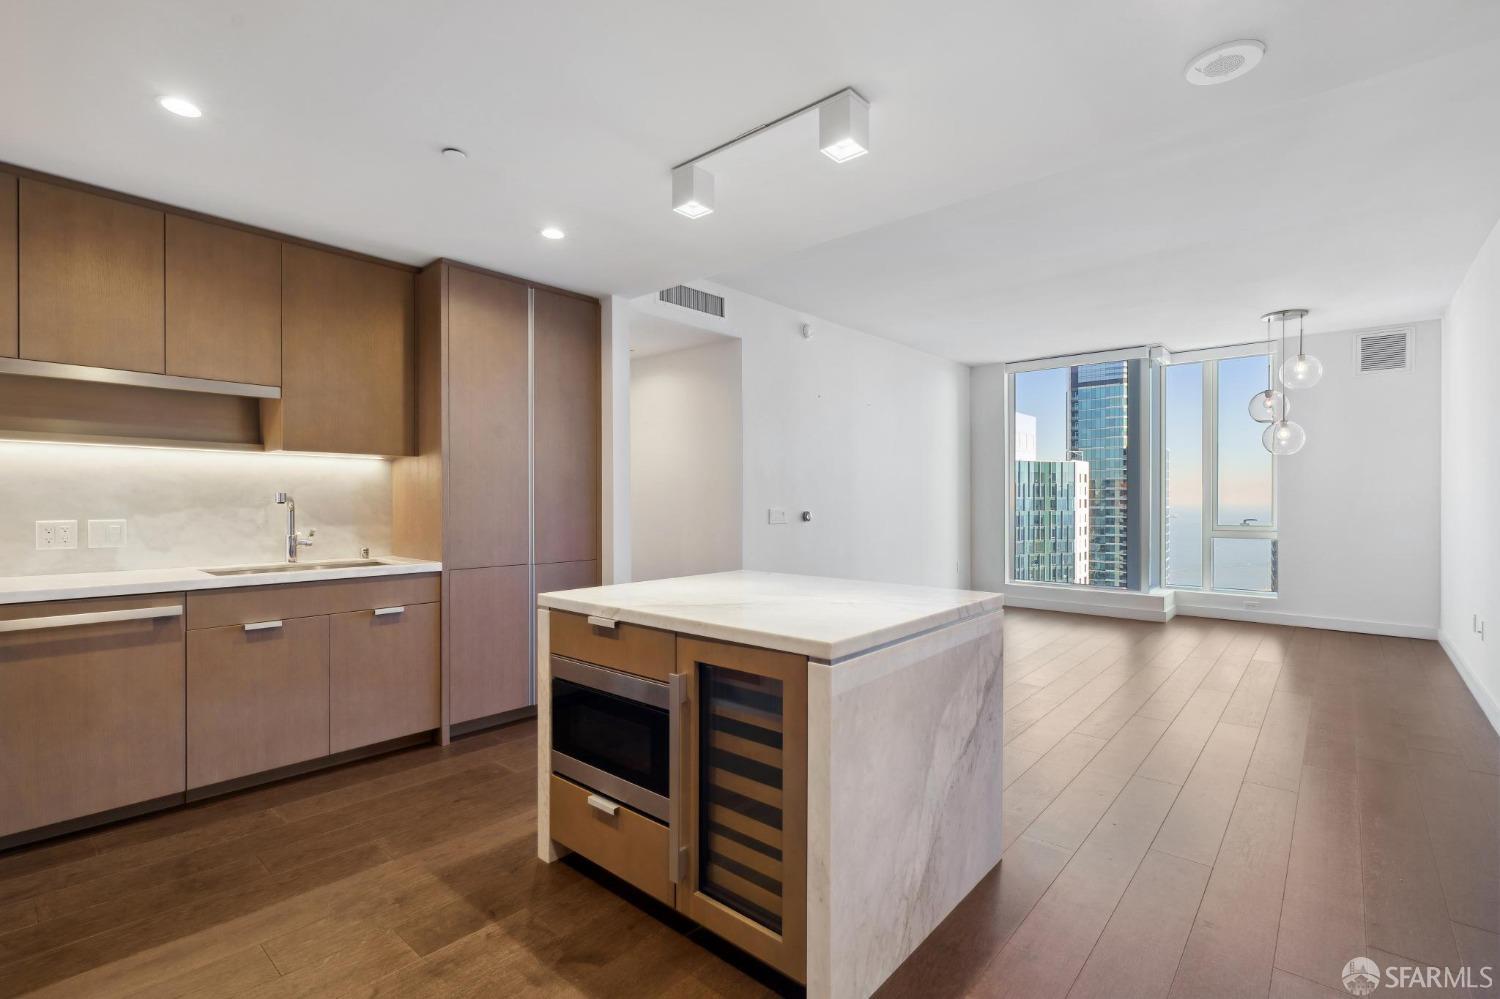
x=776, y=515
x=106, y=534
x=56, y=534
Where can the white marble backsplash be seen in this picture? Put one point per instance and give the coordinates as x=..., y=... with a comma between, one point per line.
x=186, y=508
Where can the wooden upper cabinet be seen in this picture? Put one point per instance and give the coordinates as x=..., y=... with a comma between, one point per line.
x=223, y=305
x=347, y=356
x=487, y=412
x=91, y=279
x=567, y=431
x=9, y=345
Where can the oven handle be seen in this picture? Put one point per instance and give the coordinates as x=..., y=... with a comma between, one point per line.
x=611, y=681
x=676, y=853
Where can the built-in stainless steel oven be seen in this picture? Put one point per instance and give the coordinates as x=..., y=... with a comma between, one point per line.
x=614, y=733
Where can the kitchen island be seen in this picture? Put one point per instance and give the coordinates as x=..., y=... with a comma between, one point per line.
x=808, y=767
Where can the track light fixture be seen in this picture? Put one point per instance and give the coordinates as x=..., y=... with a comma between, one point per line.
x=844, y=127
x=692, y=191
x=843, y=135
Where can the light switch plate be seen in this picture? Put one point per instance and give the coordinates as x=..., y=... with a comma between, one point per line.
x=776, y=515
x=106, y=534
x=56, y=534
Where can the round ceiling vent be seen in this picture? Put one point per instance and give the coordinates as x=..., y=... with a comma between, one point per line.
x=1225, y=62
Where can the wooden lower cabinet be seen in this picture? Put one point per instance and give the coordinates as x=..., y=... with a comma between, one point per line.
x=630, y=648
x=489, y=662
x=91, y=715
x=625, y=843
x=257, y=698
x=385, y=679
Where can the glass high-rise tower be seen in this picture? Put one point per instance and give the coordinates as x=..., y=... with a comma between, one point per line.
x=1098, y=433
x=1052, y=522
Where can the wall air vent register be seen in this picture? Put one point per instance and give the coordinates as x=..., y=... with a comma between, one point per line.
x=692, y=298
x=1386, y=350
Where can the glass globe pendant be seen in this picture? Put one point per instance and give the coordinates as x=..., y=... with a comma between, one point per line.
x=1284, y=437
x=1265, y=405
x=1302, y=371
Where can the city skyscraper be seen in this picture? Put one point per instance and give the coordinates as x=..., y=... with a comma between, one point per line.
x=1052, y=522
x=1098, y=433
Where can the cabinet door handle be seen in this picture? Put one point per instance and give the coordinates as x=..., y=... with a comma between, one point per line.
x=607, y=623
x=387, y=611
x=263, y=625
x=677, y=684
x=93, y=617
x=601, y=804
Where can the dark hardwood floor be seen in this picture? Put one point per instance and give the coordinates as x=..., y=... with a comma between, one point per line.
x=1201, y=808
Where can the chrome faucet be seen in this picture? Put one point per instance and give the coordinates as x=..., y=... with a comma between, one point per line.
x=294, y=541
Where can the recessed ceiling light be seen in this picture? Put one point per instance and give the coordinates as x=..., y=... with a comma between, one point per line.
x=553, y=232
x=1225, y=62
x=180, y=106
x=454, y=153
x=844, y=127
x=692, y=191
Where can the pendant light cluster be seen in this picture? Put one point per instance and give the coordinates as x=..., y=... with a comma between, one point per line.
x=843, y=135
x=1271, y=407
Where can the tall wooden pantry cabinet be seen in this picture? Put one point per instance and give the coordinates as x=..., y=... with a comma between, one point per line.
x=505, y=487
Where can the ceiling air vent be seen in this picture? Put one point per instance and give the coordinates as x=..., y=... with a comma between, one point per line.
x=692, y=298
x=1387, y=350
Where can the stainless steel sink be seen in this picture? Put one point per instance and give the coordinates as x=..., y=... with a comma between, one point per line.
x=255, y=570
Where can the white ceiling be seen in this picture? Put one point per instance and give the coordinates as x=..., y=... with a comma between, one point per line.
x=1084, y=194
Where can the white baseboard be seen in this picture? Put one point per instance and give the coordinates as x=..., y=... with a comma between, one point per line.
x=1394, y=629
x=1155, y=606
x=1163, y=605
x=1487, y=701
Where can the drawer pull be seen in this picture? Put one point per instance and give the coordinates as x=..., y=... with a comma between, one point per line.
x=607, y=623
x=387, y=611
x=93, y=617
x=600, y=804
x=263, y=625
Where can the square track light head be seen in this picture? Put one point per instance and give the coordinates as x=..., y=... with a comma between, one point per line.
x=692, y=191
x=844, y=127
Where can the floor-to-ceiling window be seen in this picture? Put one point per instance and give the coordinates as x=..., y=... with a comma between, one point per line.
x=1078, y=471
x=1218, y=481
x=1090, y=436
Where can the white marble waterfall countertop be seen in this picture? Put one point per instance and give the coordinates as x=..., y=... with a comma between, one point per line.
x=128, y=582
x=822, y=618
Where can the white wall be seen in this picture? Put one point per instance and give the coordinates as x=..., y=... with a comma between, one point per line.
x=987, y=458
x=870, y=436
x=186, y=508
x=614, y=438
x=685, y=461
x=1471, y=477
x=1357, y=506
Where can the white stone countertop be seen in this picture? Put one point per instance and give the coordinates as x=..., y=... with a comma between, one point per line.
x=822, y=618
x=128, y=582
